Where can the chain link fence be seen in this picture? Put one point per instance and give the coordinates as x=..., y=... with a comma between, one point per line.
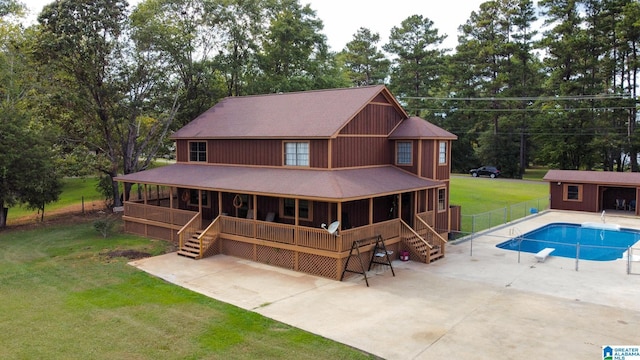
x=472, y=224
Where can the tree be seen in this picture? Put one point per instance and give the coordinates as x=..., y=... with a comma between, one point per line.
x=294, y=55
x=108, y=84
x=418, y=62
x=28, y=174
x=183, y=35
x=495, y=66
x=366, y=65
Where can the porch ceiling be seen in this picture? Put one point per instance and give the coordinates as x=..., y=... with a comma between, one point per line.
x=344, y=184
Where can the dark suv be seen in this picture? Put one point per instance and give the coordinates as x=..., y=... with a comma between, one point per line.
x=490, y=171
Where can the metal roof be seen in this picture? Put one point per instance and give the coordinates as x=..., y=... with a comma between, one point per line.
x=307, y=114
x=343, y=184
x=418, y=128
x=594, y=177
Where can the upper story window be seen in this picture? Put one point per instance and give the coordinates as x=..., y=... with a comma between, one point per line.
x=198, y=151
x=404, y=153
x=442, y=153
x=296, y=153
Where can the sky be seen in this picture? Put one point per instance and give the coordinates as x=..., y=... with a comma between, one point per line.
x=343, y=18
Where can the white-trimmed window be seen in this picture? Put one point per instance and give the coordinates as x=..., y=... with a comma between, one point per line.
x=198, y=151
x=296, y=153
x=442, y=199
x=404, y=153
x=442, y=153
x=288, y=209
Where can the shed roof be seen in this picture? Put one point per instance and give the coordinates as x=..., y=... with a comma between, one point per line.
x=307, y=114
x=344, y=184
x=594, y=177
x=418, y=128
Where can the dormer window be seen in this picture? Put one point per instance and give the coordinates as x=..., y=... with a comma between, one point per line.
x=198, y=151
x=404, y=153
x=296, y=153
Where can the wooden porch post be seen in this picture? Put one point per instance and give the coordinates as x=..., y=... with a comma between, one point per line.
x=219, y=203
x=340, y=264
x=171, y=210
x=370, y=211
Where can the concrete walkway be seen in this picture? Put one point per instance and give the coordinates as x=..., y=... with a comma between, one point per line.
x=466, y=307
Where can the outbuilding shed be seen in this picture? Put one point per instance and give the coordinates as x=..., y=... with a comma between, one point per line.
x=593, y=191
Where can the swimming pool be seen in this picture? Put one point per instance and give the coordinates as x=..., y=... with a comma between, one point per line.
x=598, y=244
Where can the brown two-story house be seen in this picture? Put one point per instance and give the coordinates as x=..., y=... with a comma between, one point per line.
x=264, y=178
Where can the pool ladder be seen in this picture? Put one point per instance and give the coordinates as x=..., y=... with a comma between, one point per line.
x=518, y=237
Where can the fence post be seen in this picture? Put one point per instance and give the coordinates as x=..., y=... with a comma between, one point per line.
x=82, y=204
x=473, y=233
x=504, y=215
x=628, y=259
x=577, y=254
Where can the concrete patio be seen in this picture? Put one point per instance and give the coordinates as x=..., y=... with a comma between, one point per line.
x=484, y=305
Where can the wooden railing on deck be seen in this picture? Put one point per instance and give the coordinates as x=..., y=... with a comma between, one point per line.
x=427, y=217
x=214, y=227
x=387, y=229
x=429, y=234
x=158, y=213
x=408, y=233
x=190, y=229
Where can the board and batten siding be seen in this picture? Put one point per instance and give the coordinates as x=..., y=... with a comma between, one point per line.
x=374, y=119
x=361, y=151
x=253, y=152
x=588, y=202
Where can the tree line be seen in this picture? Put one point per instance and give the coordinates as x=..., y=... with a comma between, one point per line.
x=97, y=86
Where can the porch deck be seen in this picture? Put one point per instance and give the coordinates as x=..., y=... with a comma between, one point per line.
x=299, y=248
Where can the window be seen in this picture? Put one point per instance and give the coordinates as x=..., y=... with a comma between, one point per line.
x=442, y=153
x=442, y=199
x=572, y=192
x=198, y=151
x=404, y=153
x=296, y=153
x=193, y=198
x=288, y=209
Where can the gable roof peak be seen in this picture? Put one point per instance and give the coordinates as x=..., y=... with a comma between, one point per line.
x=303, y=114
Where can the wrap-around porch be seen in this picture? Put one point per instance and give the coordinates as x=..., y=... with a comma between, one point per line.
x=286, y=232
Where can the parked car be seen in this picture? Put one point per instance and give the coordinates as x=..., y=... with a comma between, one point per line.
x=490, y=171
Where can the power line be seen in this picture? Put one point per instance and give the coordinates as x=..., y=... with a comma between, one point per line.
x=525, y=110
x=526, y=98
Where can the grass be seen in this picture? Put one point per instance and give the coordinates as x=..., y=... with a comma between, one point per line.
x=489, y=202
x=64, y=297
x=74, y=190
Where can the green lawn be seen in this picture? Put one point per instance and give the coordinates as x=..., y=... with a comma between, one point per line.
x=490, y=202
x=64, y=297
x=74, y=190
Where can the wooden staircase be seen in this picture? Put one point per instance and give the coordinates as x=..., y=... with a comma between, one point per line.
x=419, y=245
x=423, y=243
x=191, y=247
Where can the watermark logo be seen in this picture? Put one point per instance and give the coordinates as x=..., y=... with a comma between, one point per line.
x=621, y=352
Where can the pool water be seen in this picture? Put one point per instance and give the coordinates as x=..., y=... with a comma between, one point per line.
x=595, y=244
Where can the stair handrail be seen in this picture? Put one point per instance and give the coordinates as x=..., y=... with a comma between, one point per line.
x=434, y=233
x=204, y=232
x=184, y=230
x=420, y=238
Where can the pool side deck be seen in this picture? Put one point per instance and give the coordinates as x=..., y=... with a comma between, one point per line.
x=461, y=307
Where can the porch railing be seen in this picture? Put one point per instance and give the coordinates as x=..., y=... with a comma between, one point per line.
x=190, y=229
x=429, y=234
x=158, y=213
x=409, y=234
x=387, y=229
